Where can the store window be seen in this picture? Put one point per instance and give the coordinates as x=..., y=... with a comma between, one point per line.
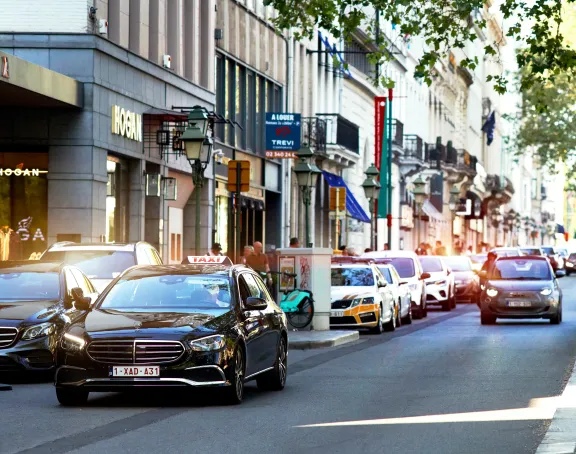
x=116, y=200
x=23, y=205
x=221, y=234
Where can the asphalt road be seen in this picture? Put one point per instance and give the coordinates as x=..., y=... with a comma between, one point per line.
x=443, y=385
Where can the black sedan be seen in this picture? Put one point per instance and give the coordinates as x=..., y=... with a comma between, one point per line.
x=36, y=305
x=520, y=287
x=465, y=279
x=176, y=325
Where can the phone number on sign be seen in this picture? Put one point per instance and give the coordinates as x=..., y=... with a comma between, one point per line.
x=280, y=154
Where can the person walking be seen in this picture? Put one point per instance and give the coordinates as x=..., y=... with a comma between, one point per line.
x=216, y=250
x=440, y=249
x=421, y=250
x=258, y=261
x=247, y=251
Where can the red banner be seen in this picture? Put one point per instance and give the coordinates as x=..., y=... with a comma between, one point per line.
x=379, y=112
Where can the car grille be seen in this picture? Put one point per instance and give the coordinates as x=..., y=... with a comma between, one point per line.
x=135, y=351
x=7, y=336
x=343, y=320
x=341, y=304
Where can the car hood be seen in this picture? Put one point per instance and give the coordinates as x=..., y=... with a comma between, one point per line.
x=436, y=276
x=105, y=322
x=12, y=313
x=349, y=293
x=519, y=286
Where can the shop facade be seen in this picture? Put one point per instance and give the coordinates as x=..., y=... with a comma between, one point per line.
x=105, y=173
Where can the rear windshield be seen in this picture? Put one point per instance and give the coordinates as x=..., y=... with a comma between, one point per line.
x=548, y=250
x=354, y=277
x=572, y=257
x=431, y=264
x=95, y=264
x=520, y=269
x=404, y=266
x=29, y=286
x=459, y=263
x=531, y=251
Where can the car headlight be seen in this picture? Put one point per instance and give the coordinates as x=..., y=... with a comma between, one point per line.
x=70, y=342
x=440, y=282
x=208, y=344
x=356, y=302
x=569, y=265
x=492, y=292
x=546, y=291
x=36, y=331
x=368, y=300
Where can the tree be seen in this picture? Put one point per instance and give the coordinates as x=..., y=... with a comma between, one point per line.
x=546, y=124
x=443, y=25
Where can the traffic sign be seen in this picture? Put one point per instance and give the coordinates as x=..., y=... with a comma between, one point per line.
x=243, y=178
x=338, y=199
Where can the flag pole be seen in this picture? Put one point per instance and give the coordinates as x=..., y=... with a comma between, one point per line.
x=389, y=169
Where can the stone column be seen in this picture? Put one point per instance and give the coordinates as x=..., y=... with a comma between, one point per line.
x=137, y=202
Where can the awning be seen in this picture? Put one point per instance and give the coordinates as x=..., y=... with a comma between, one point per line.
x=431, y=211
x=560, y=228
x=352, y=206
x=166, y=115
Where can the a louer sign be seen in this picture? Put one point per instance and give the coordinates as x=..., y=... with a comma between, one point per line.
x=127, y=124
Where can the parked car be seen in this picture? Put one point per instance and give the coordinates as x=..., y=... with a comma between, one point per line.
x=190, y=326
x=521, y=287
x=571, y=264
x=103, y=262
x=410, y=270
x=399, y=289
x=556, y=261
x=532, y=250
x=37, y=303
x=465, y=279
x=440, y=285
x=361, y=297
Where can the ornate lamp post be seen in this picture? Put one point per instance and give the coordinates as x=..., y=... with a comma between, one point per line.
x=197, y=146
x=453, y=205
x=420, y=196
x=371, y=191
x=496, y=217
x=307, y=174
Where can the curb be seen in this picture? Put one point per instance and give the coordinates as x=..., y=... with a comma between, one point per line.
x=4, y=387
x=323, y=343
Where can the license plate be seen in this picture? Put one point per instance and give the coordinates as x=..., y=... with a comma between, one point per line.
x=519, y=304
x=135, y=371
x=337, y=314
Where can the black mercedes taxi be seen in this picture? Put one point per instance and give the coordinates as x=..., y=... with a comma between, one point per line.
x=196, y=325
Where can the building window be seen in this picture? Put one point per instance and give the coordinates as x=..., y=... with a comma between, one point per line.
x=359, y=60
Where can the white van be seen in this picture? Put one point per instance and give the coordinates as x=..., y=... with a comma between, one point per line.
x=410, y=270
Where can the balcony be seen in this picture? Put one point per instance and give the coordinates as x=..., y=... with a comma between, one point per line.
x=314, y=133
x=341, y=132
x=466, y=162
x=414, y=147
x=397, y=133
x=412, y=157
x=501, y=189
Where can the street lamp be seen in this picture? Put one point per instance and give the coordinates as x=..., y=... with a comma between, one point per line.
x=197, y=148
x=420, y=195
x=372, y=191
x=307, y=174
x=453, y=205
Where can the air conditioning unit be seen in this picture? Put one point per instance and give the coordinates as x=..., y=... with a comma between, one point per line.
x=103, y=26
x=166, y=61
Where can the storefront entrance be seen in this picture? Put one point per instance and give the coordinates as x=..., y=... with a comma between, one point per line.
x=117, y=200
x=23, y=204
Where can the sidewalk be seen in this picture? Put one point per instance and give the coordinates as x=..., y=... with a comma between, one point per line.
x=561, y=435
x=303, y=340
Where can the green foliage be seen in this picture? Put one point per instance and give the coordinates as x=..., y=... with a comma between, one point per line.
x=546, y=125
x=443, y=25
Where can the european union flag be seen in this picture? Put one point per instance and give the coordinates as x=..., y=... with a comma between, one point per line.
x=488, y=128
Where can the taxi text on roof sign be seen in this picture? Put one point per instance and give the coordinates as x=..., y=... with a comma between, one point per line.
x=208, y=259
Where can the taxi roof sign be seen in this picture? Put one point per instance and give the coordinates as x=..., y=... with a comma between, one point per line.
x=207, y=260
x=348, y=259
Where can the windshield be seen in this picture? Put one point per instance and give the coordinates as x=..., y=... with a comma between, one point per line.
x=29, y=286
x=431, y=264
x=563, y=252
x=169, y=292
x=548, y=250
x=404, y=267
x=459, y=264
x=95, y=264
x=354, y=277
x=532, y=270
x=529, y=251
x=386, y=272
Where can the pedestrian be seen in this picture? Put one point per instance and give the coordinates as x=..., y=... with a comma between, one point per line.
x=294, y=242
x=386, y=247
x=487, y=266
x=344, y=250
x=440, y=249
x=247, y=251
x=421, y=250
x=258, y=261
x=367, y=250
x=216, y=250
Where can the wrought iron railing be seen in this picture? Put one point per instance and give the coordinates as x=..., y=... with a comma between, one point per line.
x=414, y=147
x=398, y=132
x=340, y=131
x=314, y=133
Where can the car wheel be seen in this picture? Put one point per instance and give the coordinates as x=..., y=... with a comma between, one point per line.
x=379, y=327
x=446, y=305
x=275, y=380
x=487, y=319
x=408, y=319
x=417, y=314
x=398, y=314
x=424, y=308
x=557, y=318
x=391, y=325
x=234, y=393
x=71, y=397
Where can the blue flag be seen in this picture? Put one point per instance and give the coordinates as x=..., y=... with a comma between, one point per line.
x=488, y=128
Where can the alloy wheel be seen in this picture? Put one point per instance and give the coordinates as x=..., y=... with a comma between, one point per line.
x=239, y=373
x=282, y=361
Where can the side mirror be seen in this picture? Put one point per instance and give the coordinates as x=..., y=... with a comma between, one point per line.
x=255, y=304
x=382, y=284
x=403, y=283
x=424, y=276
x=81, y=302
